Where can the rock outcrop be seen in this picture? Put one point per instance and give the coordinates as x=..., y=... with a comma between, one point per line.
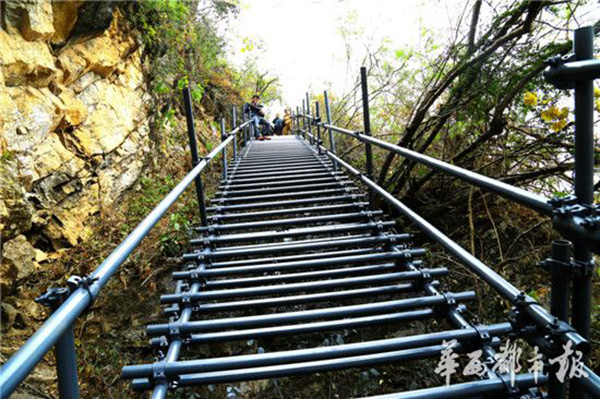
x=73, y=123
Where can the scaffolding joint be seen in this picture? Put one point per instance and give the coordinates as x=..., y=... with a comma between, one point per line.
x=577, y=222
x=53, y=297
x=553, y=73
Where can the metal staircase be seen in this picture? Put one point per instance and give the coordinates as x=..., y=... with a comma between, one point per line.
x=292, y=248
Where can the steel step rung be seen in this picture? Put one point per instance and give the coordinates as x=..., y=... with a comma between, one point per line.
x=291, y=277
x=301, y=287
x=275, y=175
x=292, y=221
x=372, y=308
x=272, y=248
x=280, y=212
x=275, y=204
x=300, y=194
x=302, y=256
x=278, y=161
x=325, y=178
x=300, y=265
x=299, y=167
x=492, y=386
x=273, y=234
x=302, y=299
x=283, y=189
x=318, y=353
x=266, y=169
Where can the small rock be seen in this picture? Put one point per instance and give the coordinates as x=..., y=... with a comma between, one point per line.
x=40, y=256
x=18, y=259
x=8, y=314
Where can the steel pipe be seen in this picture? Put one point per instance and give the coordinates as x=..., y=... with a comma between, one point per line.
x=307, y=315
x=508, y=291
x=493, y=386
x=286, y=211
x=358, y=240
x=284, y=195
x=290, y=277
x=275, y=204
x=270, y=235
x=286, y=189
x=328, y=352
x=293, y=221
x=31, y=353
x=342, y=260
x=267, y=290
x=286, y=370
x=523, y=197
x=303, y=299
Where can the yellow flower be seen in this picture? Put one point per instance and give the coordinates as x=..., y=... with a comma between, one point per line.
x=598, y=104
x=596, y=92
x=551, y=114
x=558, y=125
x=530, y=98
x=564, y=113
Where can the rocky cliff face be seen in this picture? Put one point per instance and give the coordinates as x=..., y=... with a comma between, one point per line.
x=73, y=124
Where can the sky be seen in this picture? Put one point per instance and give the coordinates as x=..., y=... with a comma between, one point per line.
x=301, y=41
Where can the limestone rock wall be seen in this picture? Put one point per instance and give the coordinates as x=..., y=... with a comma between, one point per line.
x=73, y=123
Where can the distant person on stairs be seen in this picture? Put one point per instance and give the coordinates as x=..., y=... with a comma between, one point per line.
x=278, y=124
x=287, y=121
x=253, y=110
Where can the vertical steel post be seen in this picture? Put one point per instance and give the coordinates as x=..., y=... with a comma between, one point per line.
x=331, y=137
x=246, y=129
x=297, y=120
x=189, y=117
x=308, y=119
x=66, y=365
x=233, y=125
x=367, y=127
x=224, y=154
x=561, y=276
x=303, y=120
x=583, y=46
x=561, y=279
x=318, y=116
x=64, y=348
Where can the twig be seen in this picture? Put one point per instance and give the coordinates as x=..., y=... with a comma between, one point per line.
x=471, y=226
x=487, y=210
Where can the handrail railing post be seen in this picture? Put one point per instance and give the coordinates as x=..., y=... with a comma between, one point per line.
x=331, y=136
x=559, y=266
x=224, y=154
x=233, y=125
x=298, y=121
x=367, y=127
x=20, y=364
x=245, y=130
x=303, y=120
x=64, y=348
x=583, y=46
x=318, y=116
x=189, y=117
x=66, y=365
x=310, y=137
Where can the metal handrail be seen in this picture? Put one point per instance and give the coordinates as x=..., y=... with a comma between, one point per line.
x=523, y=302
x=487, y=274
x=577, y=217
x=16, y=369
x=523, y=197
